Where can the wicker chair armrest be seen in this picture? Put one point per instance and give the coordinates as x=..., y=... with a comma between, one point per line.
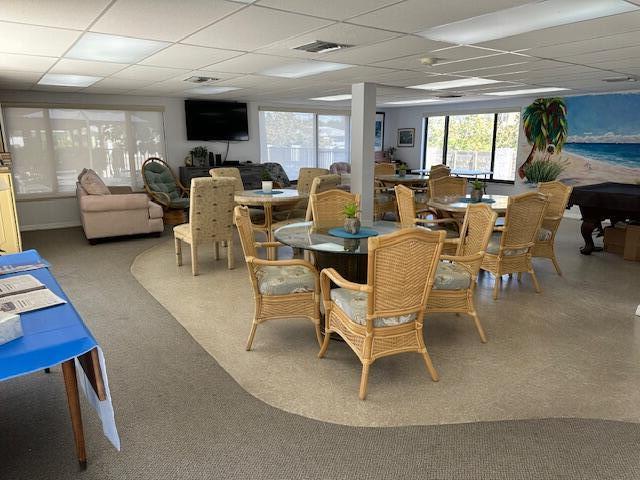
x=331, y=274
x=471, y=263
x=427, y=211
x=552, y=218
x=160, y=197
x=435, y=220
x=268, y=244
x=282, y=263
x=498, y=229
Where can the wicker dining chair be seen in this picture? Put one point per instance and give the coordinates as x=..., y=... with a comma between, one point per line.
x=210, y=219
x=447, y=187
x=439, y=171
x=558, y=194
x=509, y=250
x=385, y=315
x=456, y=277
x=282, y=289
x=327, y=208
x=409, y=217
x=384, y=168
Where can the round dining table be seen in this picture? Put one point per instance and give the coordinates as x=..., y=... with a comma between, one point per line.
x=347, y=256
x=458, y=205
x=258, y=198
x=408, y=179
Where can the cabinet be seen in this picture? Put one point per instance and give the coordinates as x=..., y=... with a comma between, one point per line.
x=10, y=241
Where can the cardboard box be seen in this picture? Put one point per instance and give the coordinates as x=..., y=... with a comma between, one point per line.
x=614, y=239
x=10, y=327
x=632, y=243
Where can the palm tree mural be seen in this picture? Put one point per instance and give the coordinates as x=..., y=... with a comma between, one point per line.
x=545, y=123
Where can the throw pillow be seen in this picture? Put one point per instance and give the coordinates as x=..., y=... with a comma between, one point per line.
x=92, y=183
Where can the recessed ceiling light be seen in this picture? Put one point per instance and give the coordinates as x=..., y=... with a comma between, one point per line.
x=112, y=48
x=63, y=80
x=462, y=82
x=212, y=90
x=525, y=18
x=333, y=98
x=410, y=102
x=526, y=91
x=303, y=69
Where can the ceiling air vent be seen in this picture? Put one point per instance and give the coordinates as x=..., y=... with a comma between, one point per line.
x=321, y=47
x=201, y=80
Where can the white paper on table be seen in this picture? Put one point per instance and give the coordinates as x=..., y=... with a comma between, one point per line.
x=19, y=284
x=329, y=247
x=28, y=301
x=104, y=408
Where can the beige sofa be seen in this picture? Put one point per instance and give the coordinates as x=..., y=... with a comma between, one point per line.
x=121, y=213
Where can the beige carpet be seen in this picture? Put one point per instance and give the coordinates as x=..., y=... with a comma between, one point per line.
x=571, y=351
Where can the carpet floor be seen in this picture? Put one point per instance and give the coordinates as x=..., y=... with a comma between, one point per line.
x=548, y=354
x=181, y=416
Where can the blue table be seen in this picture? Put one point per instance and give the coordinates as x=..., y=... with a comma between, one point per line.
x=57, y=335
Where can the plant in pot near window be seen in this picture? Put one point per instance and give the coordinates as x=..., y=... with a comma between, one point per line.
x=543, y=171
x=199, y=156
x=267, y=182
x=477, y=190
x=351, y=220
x=402, y=169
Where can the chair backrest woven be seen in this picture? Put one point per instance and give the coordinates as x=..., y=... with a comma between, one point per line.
x=245, y=230
x=306, y=176
x=229, y=172
x=327, y=208
x=448, y=187
x=439, y=171
x=479, y=221
x=385, y=168
x=523, y=219
x=405, y=198
x=211, y=208
x=401, y=271
x=158, y=177
x=558, y=194
x=340, y=167
x=321, y=184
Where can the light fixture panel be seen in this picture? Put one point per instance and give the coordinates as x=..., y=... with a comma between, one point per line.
x=101, y=47
x=65, y=80
x=333, y=98
x=303, y=69
x=211, y=90
x=526, y=91
x=459, y=83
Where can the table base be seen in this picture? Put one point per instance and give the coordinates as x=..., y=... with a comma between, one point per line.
x=351, y=267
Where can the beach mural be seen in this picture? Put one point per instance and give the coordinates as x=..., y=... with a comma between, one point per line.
x=600, y=141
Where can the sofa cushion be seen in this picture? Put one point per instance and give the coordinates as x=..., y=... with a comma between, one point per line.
x=155, y=210
x=92, y=183
x=451, y=276
x=283, y=280
x=494, y=247
x=354, y=304
x=544, y=234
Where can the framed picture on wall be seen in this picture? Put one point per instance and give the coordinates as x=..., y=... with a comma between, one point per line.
x=406, y=137
x=378, y=144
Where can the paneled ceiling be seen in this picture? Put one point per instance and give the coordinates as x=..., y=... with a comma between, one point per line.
x=240, y=42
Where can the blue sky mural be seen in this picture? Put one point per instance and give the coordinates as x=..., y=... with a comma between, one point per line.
x=613, y=118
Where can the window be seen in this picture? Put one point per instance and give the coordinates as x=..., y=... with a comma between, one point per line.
x=303, y=139
x=483, y=142
x=51, y=146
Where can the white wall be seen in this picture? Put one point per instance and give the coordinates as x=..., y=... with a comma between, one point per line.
x=63, y=212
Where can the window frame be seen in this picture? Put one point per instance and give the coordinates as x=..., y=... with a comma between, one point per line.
x=495, y=113
x=127, y=109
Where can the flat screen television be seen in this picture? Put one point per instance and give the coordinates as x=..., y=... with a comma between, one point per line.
x=211, y=120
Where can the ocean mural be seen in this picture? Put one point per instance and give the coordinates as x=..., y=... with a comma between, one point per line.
x=603, y=141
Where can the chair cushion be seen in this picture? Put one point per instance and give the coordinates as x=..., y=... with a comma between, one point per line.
x=160, y=179
x=283, y=280
x=182, y=231
x=544, y=234
x=494, y=246
x=179, y=203
x=451, y=276
x=92, y=183
x=354, y=304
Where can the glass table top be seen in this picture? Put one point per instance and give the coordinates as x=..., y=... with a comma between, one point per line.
x=303, y=235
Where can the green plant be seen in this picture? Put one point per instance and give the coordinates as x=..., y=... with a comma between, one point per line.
x=545, y=123
x=477, y=184
x=350, y=210
x=265, y=176
x=199, y=152
x=402, y=168
x=543, y=170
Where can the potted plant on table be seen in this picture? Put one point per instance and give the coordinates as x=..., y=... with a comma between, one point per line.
x=199, y=156
x=477, y=190
x=267, y=182
x=402, y=170
x=351, y=220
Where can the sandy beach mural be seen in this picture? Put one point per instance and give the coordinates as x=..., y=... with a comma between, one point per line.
x=602, y=143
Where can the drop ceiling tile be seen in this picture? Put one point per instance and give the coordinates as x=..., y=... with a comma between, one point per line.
x=567, y=50
x=122, y=83
x=74, y=14
x=26, y=63
x=14, y=77
x=55, y=88
x=343, y=33
x=168, y=20
x=334, y=9
x=497, y=70
x=628, y=53
x=417, y=15
x=402, y=78
x=105, y=90
x=84, y=67
x=389, y=49
x=254, y=27
x=352, y=75
x=148, y=73
x=249, y=63
x=33, y=40
x=600, y=27
x=188, y=56
x=508, y=60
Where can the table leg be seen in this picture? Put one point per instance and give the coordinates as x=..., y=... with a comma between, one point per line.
x=73, y=399
x=268, y=222
x=586, y=229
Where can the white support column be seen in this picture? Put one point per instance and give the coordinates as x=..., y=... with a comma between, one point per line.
x=363, y=120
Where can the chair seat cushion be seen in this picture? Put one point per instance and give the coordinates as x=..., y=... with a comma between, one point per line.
x=494, y=246
x=283, y=280
x=451, y=276
x=182, y=231
x=179, y=203
x=544, y=234
x=354, y=304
